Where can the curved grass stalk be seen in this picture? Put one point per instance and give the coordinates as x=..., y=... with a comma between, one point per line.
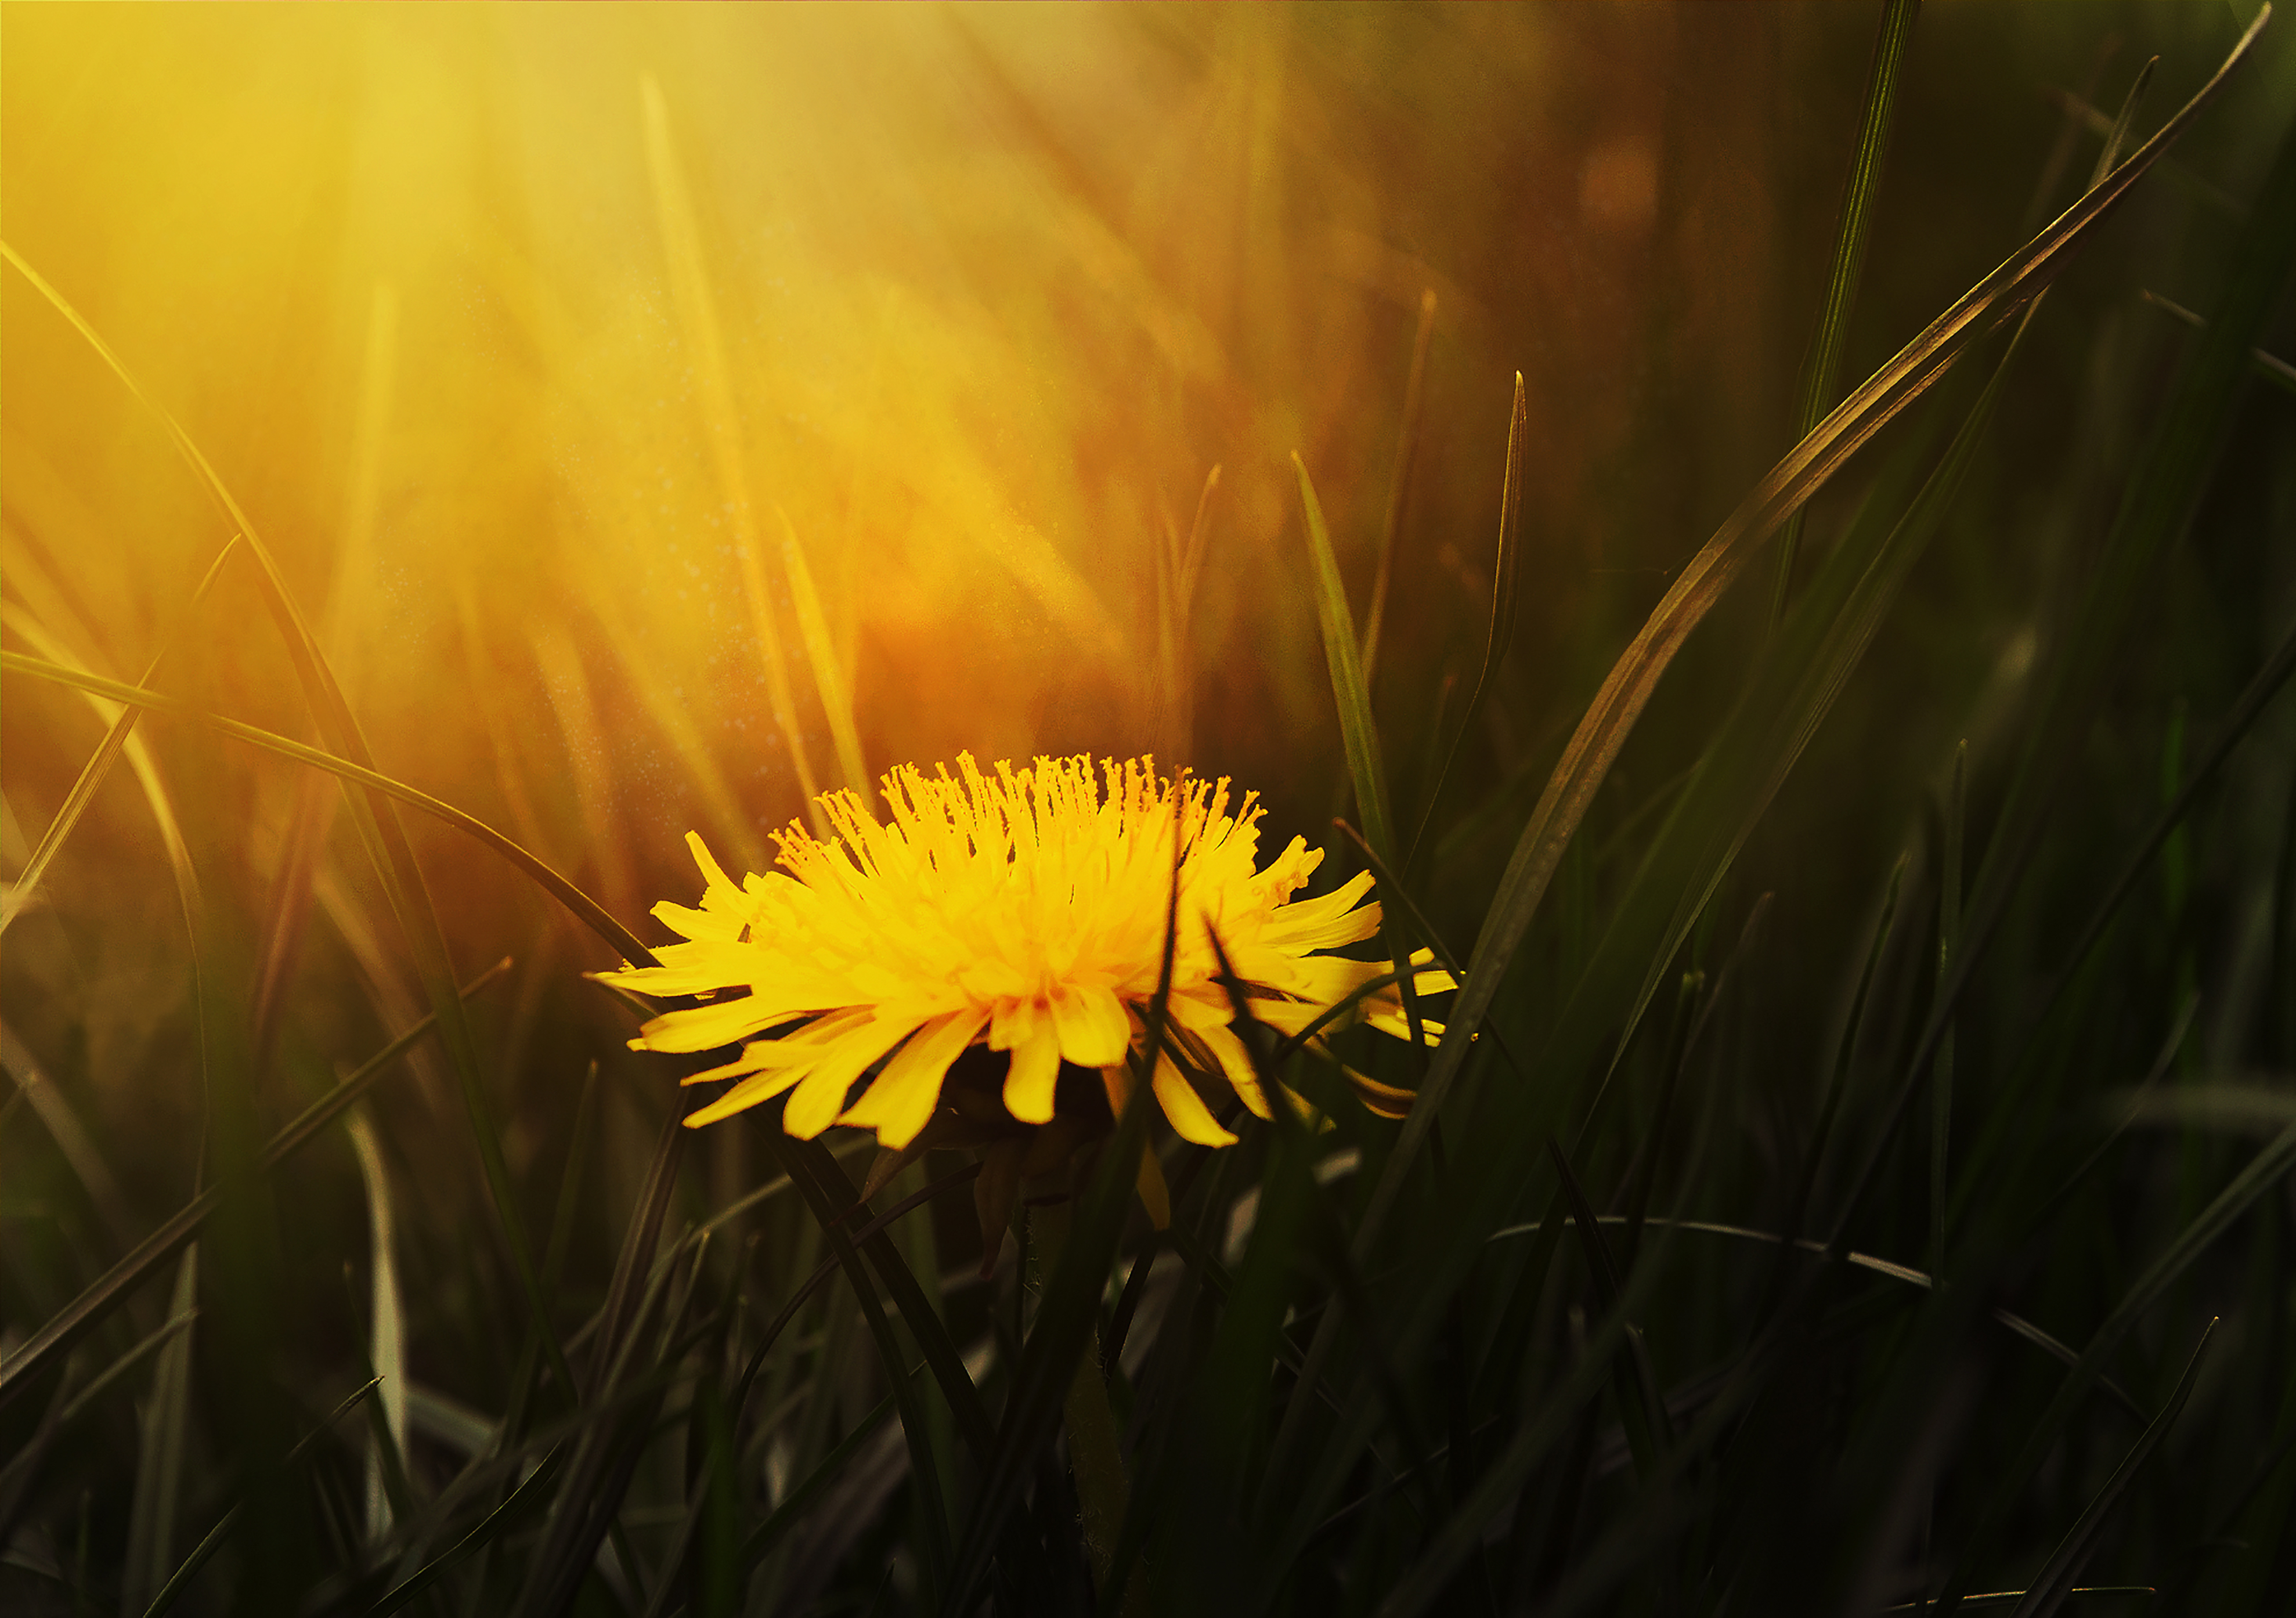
x=584, y=908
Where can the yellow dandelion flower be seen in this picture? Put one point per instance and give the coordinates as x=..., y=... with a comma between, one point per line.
x=1022, y=911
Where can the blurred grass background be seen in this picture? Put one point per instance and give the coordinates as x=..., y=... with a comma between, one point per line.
x=516, y=328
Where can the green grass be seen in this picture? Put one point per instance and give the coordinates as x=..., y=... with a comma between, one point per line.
x=1857, y=1173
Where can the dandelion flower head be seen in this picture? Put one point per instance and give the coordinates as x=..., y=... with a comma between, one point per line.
x=1024, y=910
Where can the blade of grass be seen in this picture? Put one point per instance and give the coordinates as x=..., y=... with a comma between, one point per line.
x=1357, y=733
x=387, y=1354
x=584, y=908
x=829, y=679
x=1399, y=484
x=2167, y=479
x=157, y=1504
x=68, y=1327
x=74, y=1141
x=1066, y=1315
x=1941, y=1068
x=1507, y=573
x=766, y=1535
x=1822, y=375
x=23, y=1467
x=697, y=312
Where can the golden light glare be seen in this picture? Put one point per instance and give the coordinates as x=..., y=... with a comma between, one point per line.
x=605, y=377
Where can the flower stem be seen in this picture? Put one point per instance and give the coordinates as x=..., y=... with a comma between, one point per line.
x=1096, y=1448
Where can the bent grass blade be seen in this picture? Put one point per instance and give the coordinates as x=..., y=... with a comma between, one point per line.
x=584, y=908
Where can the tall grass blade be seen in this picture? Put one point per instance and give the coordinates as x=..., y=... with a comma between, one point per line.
x=386, y=1315
x=697, y=312
x=1506, y=575
x=829, y=680
x=22, y=1468
x=1357, y=733
x=164, y=1432
x=2167, y=479
x=75, y=1143
x=1941, y=1068
x=1822, y=374
x=1398, y=484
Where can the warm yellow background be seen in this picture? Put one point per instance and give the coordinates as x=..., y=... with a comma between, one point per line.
x=991, y=290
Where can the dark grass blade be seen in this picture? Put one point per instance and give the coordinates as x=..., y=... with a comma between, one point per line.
x=2054, y=1583
x=2052, y=1347
x=1844, y=1054
x=163, y=1434
x=2170, y=475
x=1127, y=1302
x=2260, y=1175
x=1357, y=733
x=829, y=1266
x=1805, y=669
x=109, y=1291
x=2274, y=369
x=1822, y=375
x=1398, y=484
x=525, y=1497
x=1603, y=732
x=587, y=1510
x=580, y=905
x=1941, y=1065
x=1506, y=576
x=2262, y=686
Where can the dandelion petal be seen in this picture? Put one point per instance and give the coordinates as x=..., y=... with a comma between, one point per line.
x=1036, y=1067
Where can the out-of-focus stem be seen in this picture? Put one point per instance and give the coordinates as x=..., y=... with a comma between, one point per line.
x=1095, y=1449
